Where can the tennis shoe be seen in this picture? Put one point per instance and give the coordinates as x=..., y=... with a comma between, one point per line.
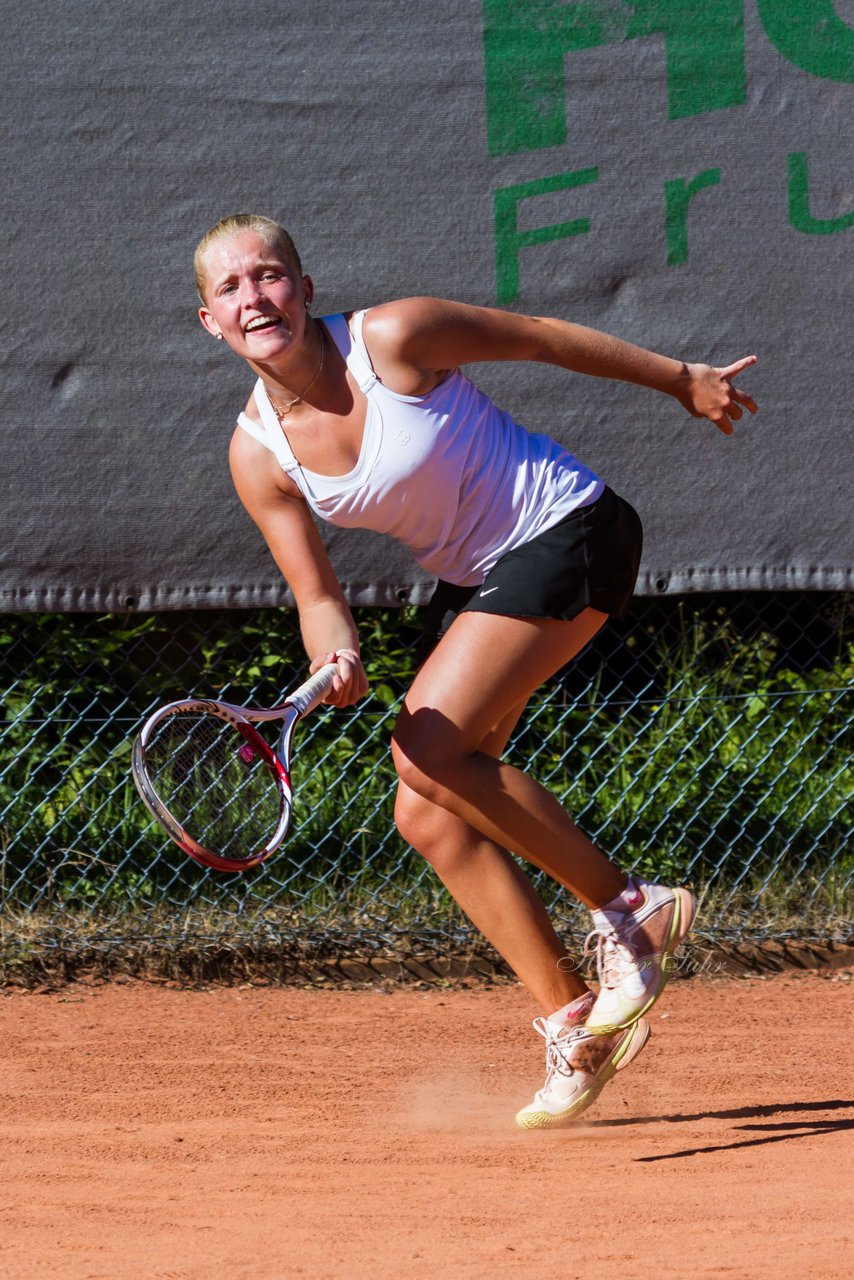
x=578, y=1066
x=635, y=936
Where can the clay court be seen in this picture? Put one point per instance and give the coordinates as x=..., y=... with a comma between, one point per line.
x=258, y=1132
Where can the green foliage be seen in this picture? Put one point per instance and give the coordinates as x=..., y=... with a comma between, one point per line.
x=703, y=747
x=737, y=766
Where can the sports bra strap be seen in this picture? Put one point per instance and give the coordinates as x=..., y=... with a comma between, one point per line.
x=269, y=433
x=253, y=429
x=355, y=353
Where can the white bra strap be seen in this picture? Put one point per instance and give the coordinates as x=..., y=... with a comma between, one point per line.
x=273, y=435
x=254, y=430
x=355, y=353
x=359, y=345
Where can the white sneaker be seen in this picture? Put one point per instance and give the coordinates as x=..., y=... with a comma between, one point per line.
x=635, y=941
x=578, y=1066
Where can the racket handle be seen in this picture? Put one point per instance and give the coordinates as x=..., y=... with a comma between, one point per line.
x=308, y=695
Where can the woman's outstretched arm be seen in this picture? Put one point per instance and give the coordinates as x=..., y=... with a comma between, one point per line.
x=419, y=335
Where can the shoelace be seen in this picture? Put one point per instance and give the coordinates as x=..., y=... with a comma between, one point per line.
x=557, y=1047
x=614, y=958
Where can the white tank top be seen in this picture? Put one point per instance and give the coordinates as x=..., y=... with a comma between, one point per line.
x=448, y=474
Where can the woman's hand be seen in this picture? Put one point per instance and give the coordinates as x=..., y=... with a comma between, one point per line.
x=707, y=392
x=350, y=684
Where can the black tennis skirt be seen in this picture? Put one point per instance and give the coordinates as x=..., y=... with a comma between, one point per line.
x=590, y=559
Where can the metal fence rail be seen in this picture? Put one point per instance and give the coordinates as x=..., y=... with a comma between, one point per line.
x=704, y=740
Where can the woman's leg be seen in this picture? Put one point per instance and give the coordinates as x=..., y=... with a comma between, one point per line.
x=462, y=808
x=492, y=888
x=485, y=666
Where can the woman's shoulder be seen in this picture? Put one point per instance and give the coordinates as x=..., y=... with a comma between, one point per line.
x=249, y=428
x=400, y=315
x=253, y=465
x=391, y=320
x=397, y=337
x=249, y=439
x=251, y=411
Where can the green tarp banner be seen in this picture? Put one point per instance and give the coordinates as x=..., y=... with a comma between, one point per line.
x=678, y=172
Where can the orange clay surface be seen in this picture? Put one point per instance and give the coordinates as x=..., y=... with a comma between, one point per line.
x=246, y=1133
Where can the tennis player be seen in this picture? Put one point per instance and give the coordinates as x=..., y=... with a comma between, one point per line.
x=366, y=420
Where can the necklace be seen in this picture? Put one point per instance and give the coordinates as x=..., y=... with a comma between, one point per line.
x=282, y=410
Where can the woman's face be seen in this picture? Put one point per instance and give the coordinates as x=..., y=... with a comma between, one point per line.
x=253, y=297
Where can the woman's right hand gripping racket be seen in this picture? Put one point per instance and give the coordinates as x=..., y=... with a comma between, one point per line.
x=213, y=783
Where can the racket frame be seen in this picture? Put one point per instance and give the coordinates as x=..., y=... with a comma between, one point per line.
x=296, y=705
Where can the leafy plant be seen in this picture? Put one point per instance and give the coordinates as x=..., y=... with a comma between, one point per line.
x=699, y=740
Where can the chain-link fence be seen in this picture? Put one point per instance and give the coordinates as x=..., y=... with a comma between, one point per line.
x=701, y=740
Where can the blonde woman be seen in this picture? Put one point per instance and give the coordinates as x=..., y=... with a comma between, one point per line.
x=365, y=420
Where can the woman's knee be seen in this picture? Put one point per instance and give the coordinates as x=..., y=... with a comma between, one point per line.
x=429, y=829
x=412, y=816
x=416, y=772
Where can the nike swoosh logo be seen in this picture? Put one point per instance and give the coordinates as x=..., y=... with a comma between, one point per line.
x=489, y=591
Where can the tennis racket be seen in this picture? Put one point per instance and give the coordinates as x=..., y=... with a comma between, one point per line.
x=212, y=781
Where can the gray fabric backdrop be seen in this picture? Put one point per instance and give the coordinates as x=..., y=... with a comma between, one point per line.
x=388, y=137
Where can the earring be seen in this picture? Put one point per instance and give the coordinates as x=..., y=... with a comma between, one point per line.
x=308, y=304
x=219, y=337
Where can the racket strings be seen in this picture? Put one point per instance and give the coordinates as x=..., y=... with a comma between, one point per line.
x=212, y=781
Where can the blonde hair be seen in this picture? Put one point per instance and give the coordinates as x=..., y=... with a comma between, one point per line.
x=275, y=235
